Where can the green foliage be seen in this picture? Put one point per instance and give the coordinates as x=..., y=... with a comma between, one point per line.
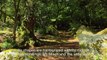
x=51, y=29
x=74, y=27
x=8, y=43
x=47, y=17
x=20, y=34
x=84, y=12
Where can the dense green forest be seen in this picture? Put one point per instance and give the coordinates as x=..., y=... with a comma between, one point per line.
x=27, y=24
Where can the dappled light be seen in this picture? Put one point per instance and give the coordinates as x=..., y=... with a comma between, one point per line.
x=53, y=30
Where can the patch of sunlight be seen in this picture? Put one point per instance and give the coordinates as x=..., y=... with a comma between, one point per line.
x=84, y=30
x=103, y=51
x=104, y=48
x=104, y=31
x=73, y=40
x=5, y=32
x=48, y=40
x=64, y=41
x=104, y=44
x=52, y=40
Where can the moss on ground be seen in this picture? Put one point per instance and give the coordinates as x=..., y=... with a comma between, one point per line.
x=15, y=54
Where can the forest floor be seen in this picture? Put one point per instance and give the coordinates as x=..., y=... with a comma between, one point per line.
x=63, y=41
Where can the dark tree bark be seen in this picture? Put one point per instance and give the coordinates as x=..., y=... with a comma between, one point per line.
x=16, y=7
x=31, y=25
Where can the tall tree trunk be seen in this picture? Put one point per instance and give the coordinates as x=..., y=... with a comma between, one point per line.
x=30, y=25
x=16, y=7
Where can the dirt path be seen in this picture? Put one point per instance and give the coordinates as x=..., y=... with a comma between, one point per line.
x=64, y=41
x=58, y=58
